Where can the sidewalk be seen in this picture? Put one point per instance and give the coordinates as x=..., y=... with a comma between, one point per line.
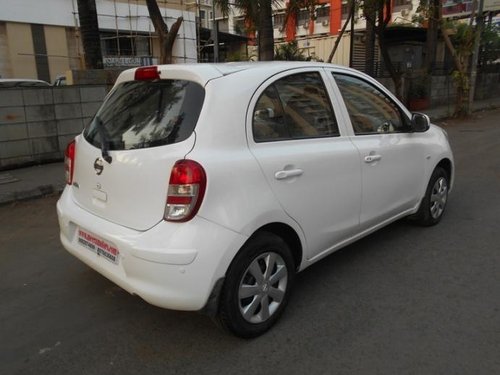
x=31, y=182
x=442, y=112
x=38, y=181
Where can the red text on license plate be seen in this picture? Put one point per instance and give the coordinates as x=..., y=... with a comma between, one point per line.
x=98, y=246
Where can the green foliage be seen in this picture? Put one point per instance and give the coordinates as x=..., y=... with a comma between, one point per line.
x=490, y=44
x=463, y=38
x=290, y=52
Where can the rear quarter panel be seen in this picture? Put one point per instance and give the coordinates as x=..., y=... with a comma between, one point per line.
x=237, y=195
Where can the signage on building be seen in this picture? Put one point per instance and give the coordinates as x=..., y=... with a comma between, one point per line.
x=491, y=5
x=461, y=8
x=128, y=61
x=457, y=8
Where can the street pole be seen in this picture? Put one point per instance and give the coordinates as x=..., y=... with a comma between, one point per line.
x=351, y=41
x=215, y=34
x=475, y=53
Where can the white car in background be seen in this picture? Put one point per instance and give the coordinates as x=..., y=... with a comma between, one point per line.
x=21, y=83
x=209, y=186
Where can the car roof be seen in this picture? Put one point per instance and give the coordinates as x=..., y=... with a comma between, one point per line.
x=204, y=72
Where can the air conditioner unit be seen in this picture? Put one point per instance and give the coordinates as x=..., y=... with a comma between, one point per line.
x=325, y=22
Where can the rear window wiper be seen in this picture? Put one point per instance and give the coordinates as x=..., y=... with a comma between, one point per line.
x=104, y=140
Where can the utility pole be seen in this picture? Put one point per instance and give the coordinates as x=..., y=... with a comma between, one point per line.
x=351, y=41
x=215, y=34
x=475, y=53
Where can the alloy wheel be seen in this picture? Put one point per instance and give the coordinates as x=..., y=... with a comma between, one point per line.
x=262, y=287
x=439, y=195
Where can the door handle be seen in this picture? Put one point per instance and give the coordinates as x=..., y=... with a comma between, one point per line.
x=281, y=175
x=372, y=158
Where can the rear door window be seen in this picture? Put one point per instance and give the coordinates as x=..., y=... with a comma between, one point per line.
x=142, y=114
x=294, y=107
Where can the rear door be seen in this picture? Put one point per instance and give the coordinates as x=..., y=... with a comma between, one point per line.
x=124, y=157
x=312, y=169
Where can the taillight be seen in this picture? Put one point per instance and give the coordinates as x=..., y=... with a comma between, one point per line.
x=147, y=73
x=186, y=189
x=69, y=162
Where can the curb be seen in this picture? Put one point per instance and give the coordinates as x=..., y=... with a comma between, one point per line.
x=38, y=192
x=442, y=117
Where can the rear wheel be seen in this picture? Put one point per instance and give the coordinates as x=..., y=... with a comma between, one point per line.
x=434, y=203
x=257, y=286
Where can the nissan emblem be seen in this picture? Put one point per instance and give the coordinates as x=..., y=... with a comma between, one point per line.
x=98, y=166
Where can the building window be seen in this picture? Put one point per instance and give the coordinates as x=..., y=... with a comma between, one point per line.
x=124, y=45
x=239, y=26
x=322, y=14
x=303, y=17
x=278, y=20
x=345, y=10
x=400, y=2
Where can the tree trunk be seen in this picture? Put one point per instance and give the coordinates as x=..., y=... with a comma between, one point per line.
x=395, y=75
x=370, y=15
x=432, y=35
x=168, y=46
x=166, y=37
x=384, y=17
x=89, y=27
x=460, y=78
x=266, y=38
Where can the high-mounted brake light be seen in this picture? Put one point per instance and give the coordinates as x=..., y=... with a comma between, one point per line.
x=69, y=162
x=147, y=73
x=186, y=190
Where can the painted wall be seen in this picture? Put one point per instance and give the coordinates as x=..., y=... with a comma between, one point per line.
x=36, y=124
x=20, y=51
x=57, y=50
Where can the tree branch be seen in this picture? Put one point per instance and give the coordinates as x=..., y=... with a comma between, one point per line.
x=156, y=17
x=337, y=42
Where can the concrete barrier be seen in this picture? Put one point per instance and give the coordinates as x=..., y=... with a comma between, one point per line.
x=37, y=123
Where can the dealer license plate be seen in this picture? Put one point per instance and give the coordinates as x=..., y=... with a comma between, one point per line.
x=98, y=246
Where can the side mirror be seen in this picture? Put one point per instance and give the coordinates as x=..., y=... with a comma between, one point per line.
x=420, y=122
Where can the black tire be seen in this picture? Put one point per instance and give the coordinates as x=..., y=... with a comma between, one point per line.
x=276, y=283
x=433, y=204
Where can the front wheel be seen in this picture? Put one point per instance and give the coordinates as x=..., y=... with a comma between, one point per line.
x=257, y=286
x=434, y=203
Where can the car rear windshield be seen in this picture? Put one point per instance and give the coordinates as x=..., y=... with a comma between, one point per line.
x=142, y=114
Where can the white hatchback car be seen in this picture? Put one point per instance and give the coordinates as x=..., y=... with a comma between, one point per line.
x=208, y=186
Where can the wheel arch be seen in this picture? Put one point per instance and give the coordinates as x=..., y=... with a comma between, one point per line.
x=287, y=234
x=447, y=166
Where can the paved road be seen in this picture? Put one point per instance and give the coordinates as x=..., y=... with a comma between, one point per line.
x=405, y=300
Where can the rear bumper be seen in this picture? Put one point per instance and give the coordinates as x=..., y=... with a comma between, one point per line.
x=171, y=265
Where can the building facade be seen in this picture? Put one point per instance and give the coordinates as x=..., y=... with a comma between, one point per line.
x=316, y=32
x=41, y=39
